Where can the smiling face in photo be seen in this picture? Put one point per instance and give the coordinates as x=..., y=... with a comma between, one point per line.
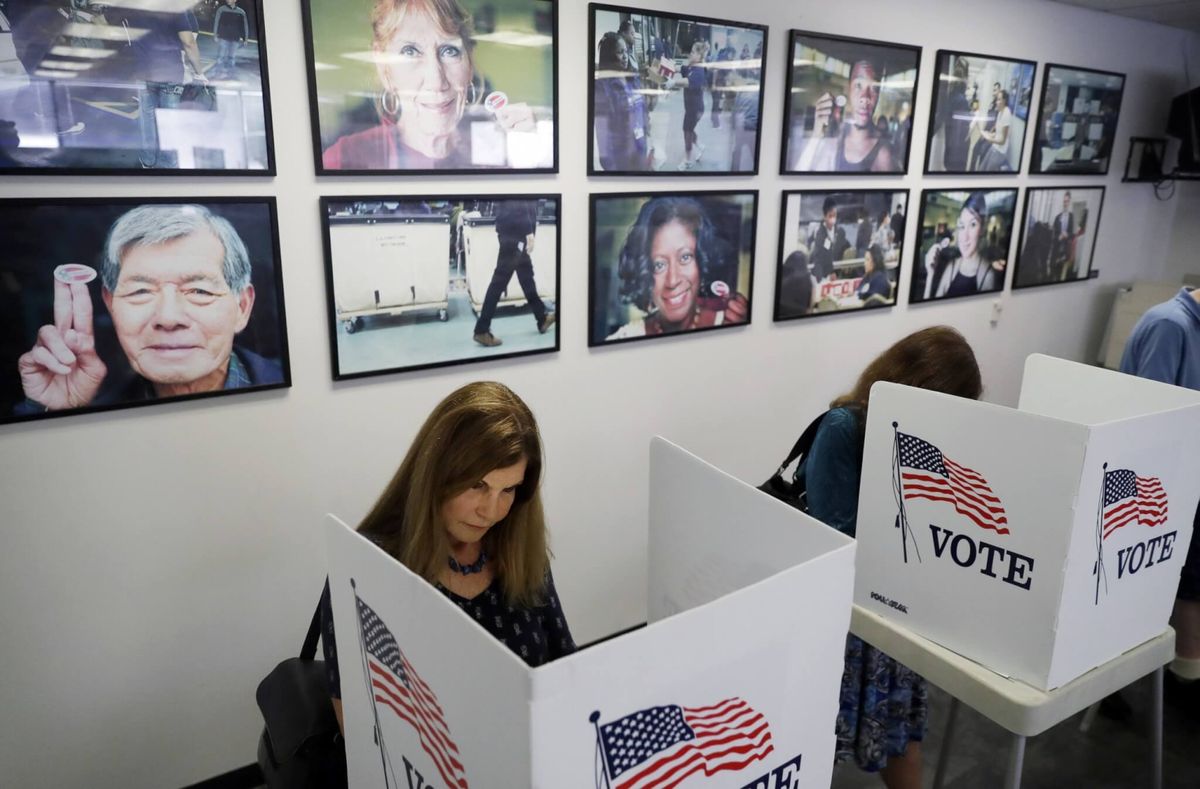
x=676, y=271
x=429, y=69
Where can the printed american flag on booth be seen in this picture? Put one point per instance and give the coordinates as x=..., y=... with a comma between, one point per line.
x=661, y=746
x=396, y=685
x=1129, y=498
x=928, y=474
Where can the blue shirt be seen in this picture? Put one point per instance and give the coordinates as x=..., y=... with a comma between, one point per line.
x=1165, y=343
x=832, y=470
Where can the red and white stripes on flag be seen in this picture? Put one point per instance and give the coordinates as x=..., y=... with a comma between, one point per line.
x=1129, y=498
x=928, y=474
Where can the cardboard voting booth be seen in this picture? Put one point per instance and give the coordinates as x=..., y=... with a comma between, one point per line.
x=732, y=683
x=1040, y=541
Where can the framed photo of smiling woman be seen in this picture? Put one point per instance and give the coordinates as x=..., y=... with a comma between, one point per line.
x=115, y=303
x=669, y=263
x=425, y=86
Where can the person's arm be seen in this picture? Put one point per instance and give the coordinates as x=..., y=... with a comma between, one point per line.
x=329, y=647
x=217, y=21
x=1160, y=354
x=560, y=643
x=245, y=26
x=187, y=42
x=832, y=471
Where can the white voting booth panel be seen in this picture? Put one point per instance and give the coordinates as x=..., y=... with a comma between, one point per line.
x=733, y=683
x=389, y=265
x=481, y=246
x=1040, y=541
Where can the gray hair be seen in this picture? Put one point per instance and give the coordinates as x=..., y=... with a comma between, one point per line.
x=148, y=225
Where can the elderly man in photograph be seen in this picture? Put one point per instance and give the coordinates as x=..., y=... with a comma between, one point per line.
x=176, y=281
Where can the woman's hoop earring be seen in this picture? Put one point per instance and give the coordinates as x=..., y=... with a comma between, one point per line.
x=394, y=110
x=473, y=94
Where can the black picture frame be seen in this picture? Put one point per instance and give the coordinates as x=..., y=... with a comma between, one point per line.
x=1099, y=122
x=375, y=137
x=96, y=122
x=941, y=112
x=896, y=53
x=928, y=235
x=40, y=247
x=743, y=76
x=471, y=243
x=601, y=296
x=793, y=275
x=1038, y=252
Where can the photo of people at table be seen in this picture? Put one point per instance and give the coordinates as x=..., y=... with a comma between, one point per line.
x=1059, y=235
x=1077, y=120
x=672, y=94
x=980, y=111
x=668, y=263
x=964, y=243
x=415, y=86
x=849, y=105
x=839, y=251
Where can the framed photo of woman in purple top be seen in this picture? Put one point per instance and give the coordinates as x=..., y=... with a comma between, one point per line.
x=433, y=86
x=673, y=95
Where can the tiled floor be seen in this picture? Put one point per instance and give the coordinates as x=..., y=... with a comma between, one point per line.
x=1110, y=756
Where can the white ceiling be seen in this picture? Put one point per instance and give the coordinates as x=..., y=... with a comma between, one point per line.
x=1177, y=13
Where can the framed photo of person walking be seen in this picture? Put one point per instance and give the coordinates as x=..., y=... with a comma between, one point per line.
x=420, y=282
x=964, y=243
x=1077, y=121
x=849, y=105
x=979, y=114
x=1058, y=237
x=447, y=87
x=673, y=95
x=134, y=88
x=669, y=263
x=839, y=251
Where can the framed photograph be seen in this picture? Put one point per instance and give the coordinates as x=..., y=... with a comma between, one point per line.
x=839, y=251
x=116, y=303
x=1058, y=238
x=669, y=262
x=1077, y=121
x=979, y=114
x=964, y=244
x=454, y=86
x=419, y=282
x=673, y=94
x=122, y=88
x=848, y=106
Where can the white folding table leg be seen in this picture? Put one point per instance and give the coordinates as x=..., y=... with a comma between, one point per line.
x=1016, y=760
x=939, y=777
x=1156, y=724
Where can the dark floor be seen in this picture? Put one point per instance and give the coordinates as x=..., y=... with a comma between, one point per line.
x=1109, y=756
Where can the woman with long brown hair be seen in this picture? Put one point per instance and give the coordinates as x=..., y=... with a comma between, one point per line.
x=464, y=512
x=883, y=709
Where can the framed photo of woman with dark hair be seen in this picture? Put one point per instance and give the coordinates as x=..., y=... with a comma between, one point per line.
x=669, y=262
x=964, y=243
x=849, y=105
x=433, y=86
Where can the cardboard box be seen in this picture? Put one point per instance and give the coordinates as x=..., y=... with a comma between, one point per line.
x=1040, y=541
x=750, y=604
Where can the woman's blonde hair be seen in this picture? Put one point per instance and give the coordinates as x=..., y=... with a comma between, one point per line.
x=475, y=430
x=388, y=15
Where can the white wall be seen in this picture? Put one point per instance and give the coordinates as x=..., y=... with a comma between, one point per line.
x=133, y=635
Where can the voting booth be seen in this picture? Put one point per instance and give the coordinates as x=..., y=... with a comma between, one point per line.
x=732, y=683
x=1040, y=541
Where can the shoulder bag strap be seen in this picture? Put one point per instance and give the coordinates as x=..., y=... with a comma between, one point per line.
x=309, y=650
x=803, y=443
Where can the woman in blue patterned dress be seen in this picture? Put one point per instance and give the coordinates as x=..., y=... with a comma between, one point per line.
x=883, y=708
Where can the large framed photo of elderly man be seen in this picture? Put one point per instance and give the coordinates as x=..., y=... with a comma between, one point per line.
x=964, y=243
x=979, y=115
x=848, y=106
x=669, y=263
x=116, y=303
x=433, y=86
x=1077, y=121
x=145, y=87
x=672, y=94
x=1058, y=237
x=420, y=282
x=839, y=251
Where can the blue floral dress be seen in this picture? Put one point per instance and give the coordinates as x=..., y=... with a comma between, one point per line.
x=883, y=705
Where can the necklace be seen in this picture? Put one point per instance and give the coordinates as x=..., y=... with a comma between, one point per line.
x=469, y=569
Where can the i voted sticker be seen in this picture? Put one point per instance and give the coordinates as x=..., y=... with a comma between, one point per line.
x=496, y=101
x=74, y=273
x=720, y=289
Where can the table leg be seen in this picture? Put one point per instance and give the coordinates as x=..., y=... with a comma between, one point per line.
x=1016, y=759
x=939, y=777
x=1156, y=724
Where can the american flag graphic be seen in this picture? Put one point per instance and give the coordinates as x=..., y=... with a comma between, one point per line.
x=661, y=746
x=928, y=474
x=396, y=685
x=1129, y=498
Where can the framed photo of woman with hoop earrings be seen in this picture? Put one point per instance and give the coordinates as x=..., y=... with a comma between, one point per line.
x=457, y=86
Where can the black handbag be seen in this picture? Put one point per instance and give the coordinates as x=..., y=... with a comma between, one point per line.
x=794, y=492
x=301, y=746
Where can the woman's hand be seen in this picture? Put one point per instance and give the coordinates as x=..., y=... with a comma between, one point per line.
x=999, y=265
x=737, y=310
x=516, y=117
x=931, y=255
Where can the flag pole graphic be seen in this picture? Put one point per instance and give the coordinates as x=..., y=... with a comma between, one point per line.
x=898, y=492
x=594, y=718
x=1098, y=569
x=362, y=652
